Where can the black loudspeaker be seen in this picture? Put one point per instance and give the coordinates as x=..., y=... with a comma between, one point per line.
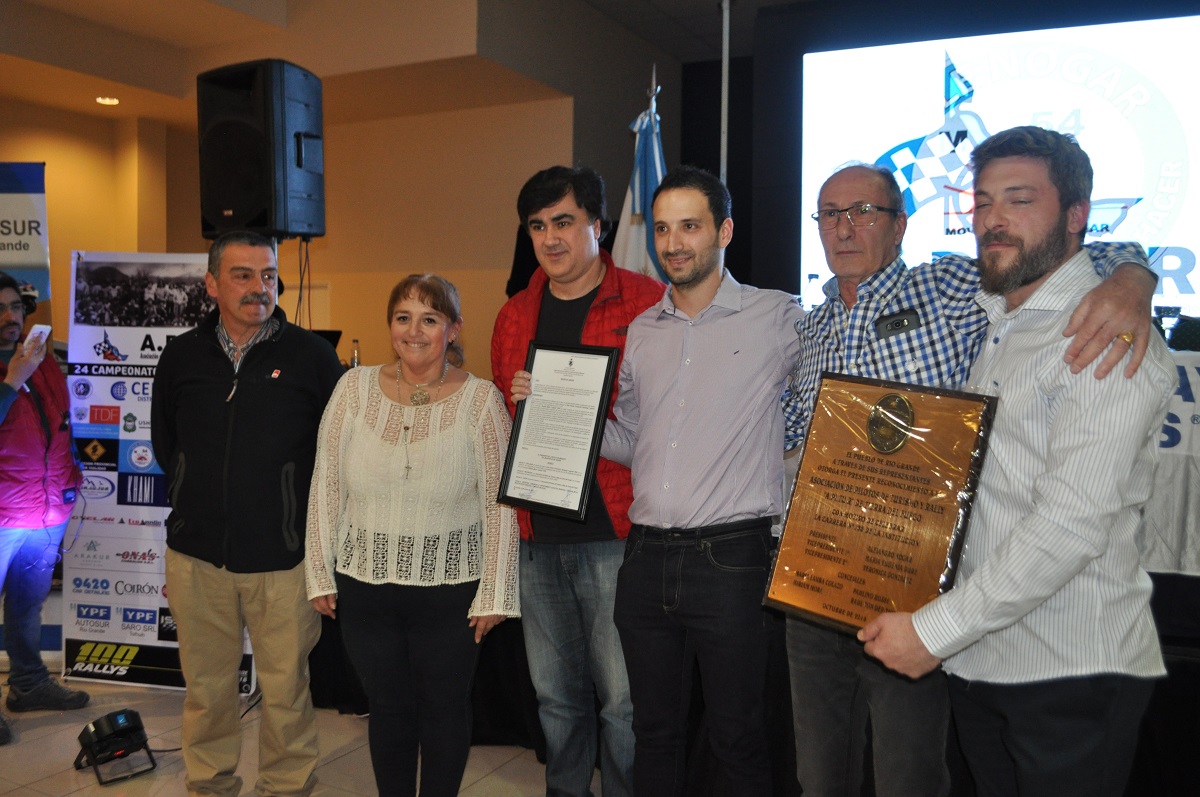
x=262, y=157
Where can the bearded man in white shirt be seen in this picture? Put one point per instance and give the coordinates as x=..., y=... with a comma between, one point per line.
x=1047, y=638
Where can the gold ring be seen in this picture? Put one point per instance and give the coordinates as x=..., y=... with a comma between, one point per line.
x=1127, y=337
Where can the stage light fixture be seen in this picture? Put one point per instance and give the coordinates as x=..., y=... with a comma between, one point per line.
x=113, y=737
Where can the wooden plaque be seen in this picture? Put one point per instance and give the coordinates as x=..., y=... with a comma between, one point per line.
x=882, y=501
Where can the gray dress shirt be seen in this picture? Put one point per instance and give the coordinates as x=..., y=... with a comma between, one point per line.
x=698, y=417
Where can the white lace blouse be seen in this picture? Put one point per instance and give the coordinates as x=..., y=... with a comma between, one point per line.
x=407, y=495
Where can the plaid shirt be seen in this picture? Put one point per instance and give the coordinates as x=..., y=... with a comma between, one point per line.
x=937, y=353
x=236, y=352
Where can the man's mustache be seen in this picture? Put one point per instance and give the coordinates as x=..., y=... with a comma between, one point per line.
x=256, y=298
x=999, y=238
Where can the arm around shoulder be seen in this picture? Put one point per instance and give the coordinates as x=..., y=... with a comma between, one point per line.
x=1114, y=317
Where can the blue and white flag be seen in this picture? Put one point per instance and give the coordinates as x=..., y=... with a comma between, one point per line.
x=634, y=246
x=24, y=243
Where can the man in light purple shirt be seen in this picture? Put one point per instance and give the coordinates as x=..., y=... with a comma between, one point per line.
x=699, y=422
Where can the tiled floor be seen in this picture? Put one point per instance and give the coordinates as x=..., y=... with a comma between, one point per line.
x=40, y=759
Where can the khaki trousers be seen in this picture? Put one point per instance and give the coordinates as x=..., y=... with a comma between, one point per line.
x=211, y=606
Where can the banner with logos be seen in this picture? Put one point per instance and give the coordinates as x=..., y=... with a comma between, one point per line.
x=1170, y=534
x=124, y=309
x=24, y=244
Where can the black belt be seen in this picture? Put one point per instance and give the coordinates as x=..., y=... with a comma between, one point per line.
x=656, y=534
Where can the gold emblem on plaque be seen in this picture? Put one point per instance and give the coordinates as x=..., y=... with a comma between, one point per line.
x=889, y=423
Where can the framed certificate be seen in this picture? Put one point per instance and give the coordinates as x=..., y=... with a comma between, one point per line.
x=556, y=436
x=882, y=501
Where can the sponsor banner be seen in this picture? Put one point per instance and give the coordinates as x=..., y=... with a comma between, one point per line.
x=97, y=486
x=88, y=619
x=100, y=431
x=128, y=586
x=130, y=390
x=167, y=632
x=87, y=552
x=24, y=240
x=141, y=552
x=109, y=369
x=135, y=663
x=114, y=409
x=125, y=307
x=97, y=453
x=148, y=489
x=135, y=422
x=137, y=456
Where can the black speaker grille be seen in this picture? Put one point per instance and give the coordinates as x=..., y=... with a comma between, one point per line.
x=251, y=118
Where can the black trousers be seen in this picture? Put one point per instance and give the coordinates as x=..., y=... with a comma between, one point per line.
x=1059, y=738
x=415, y=654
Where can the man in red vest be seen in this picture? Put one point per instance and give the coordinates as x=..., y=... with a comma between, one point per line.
x=39, y=479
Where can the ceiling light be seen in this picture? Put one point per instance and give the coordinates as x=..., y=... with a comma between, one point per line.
x=108, y=101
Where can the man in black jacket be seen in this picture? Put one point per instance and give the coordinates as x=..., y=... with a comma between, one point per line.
x=237, y=403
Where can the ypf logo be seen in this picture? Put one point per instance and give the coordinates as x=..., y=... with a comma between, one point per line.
x=84, y=611
x=139, y=616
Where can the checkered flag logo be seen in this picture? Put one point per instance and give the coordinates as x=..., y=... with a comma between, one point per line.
x=934, y=166
x=108, y=351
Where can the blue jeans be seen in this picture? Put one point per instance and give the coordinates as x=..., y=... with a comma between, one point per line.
x=27, y=559
x=695, y=596
x=835, y=687
x=567, y=594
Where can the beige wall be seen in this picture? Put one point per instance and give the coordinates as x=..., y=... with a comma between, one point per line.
x=81, y=186
x=432, y=193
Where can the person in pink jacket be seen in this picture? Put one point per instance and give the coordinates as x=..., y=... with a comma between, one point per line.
x=39, y=479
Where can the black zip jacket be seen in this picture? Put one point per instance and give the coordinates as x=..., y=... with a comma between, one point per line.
x=238, y=450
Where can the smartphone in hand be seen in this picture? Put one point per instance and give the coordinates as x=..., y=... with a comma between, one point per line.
x=40, y=334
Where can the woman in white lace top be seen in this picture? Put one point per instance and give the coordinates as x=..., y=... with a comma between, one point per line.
x=406, y=543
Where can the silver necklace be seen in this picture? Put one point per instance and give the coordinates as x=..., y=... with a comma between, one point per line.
x=419, y=395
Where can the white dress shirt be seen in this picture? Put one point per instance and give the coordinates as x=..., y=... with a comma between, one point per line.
x=1049, y=584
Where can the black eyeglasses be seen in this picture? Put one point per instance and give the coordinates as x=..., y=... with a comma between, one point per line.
x=864, y=215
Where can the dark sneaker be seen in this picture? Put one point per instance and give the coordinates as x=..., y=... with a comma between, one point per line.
x=5, y=731
x=50, y=696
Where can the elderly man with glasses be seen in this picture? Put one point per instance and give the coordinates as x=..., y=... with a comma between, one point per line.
x=837, y=690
